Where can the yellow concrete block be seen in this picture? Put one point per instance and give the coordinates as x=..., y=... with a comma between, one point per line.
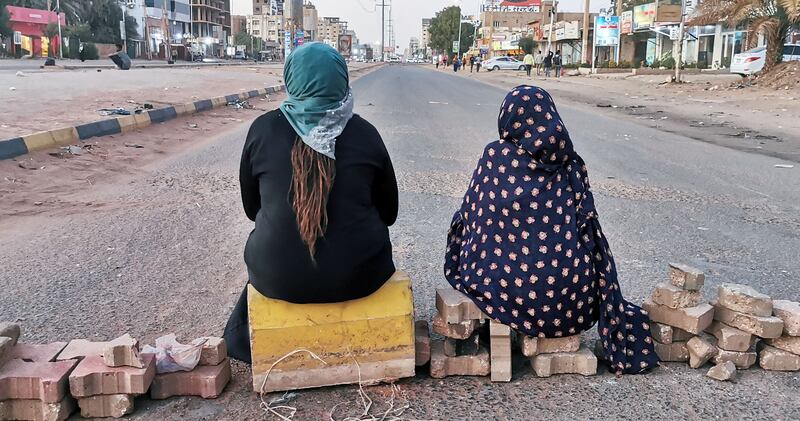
x=127, y=123
x=65, y=136
x=142, y=120
x=184, y=109
x=39, y=141
x=374, y=334
x=219, y=101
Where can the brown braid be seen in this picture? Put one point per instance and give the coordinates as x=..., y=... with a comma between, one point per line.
x=312, y=180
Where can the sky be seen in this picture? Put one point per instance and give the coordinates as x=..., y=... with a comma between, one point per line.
x=365, y=18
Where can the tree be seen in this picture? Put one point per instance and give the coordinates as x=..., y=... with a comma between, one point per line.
x=527, y=44
x=444, y=30
x=773, y=18
x=51, y=31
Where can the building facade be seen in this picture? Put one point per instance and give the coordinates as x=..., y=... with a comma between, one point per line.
x=211, y=26
x=310, y=22
x=425, y=40
x=329, y=30
x=238, y=24
x=270, y=29
x=161, y=22
x=31, y=24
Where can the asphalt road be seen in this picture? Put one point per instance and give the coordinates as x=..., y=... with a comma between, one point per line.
x=164, y=254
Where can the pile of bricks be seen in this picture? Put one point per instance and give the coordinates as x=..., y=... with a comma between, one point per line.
x=43, y=382
x=565, y=355
x=33, y=386
x=734, y=332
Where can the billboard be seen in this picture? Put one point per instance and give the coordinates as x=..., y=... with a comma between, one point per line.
x=511, y=6
x=669, y=11
x=606, y=31
x=644, y=16
x=626, y=22
x=567, y=30
x=345, y=45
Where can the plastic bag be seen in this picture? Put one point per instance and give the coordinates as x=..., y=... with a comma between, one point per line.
x=172, y=356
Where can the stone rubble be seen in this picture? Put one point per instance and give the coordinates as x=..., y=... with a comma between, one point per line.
x=766, y=327
x=789, y=312
x=686, y=277
x=730, y=338
x=722, y=372
x=744, y=299
x=700, y=351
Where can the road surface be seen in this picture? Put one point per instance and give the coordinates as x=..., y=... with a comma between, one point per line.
x=160, y=251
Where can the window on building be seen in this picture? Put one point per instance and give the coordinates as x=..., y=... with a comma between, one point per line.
x=256, y=32
x=496, y=24
x=256, y=22
x=258, y=10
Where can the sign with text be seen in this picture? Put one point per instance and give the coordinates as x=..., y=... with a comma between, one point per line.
x=511, y=6
x=455, y=46
x=345, y=45
x=669, y=11
x=626, y=22
x=567, y=30
x=606, y=31
x=644, y=16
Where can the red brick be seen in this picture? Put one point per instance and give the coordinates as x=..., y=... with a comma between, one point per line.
x=723, y=372
x=674, y=352
x=206, y=381
x=104, y=406
x=36, y=410
x=763, y=327
x=461, y=330
x=674, y=297
x=10, y=330
x=79, y=348
x=122, y=352
x=786, y=343
x=690, y=319
x=422, y=343
x=700, y=351
x=686, y=277
x=36, y=353
x=92, y=377
x=730, y=338
x=745, y=299
x=214, y=351
x=468, y=365
x=775, y=359
x=789, y=312
x=45, y=381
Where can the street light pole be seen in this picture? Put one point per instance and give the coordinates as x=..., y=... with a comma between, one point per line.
x=458, y=51
x=60, y=40
x=383, y=31
x=552, y=17
x=585, y=35
x=679, y=59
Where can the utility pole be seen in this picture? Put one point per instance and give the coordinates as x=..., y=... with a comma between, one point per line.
x=383, y=31
x=679, y=59
x=552, y=17
x=458, y=52
x=585, y=35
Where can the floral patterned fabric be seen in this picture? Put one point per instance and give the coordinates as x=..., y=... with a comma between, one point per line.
x=527, y=246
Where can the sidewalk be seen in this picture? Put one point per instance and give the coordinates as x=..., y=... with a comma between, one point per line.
x=713, y=108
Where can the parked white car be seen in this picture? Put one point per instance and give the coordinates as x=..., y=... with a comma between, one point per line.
x=752, y=61
x=503, y=63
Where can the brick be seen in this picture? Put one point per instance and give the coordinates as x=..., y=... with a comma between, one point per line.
x=461, y=330
x=744, y=299
x=214, y=351
x=674, y=352
x=10, y=330
x=674, y=297
x=36, y=353
x=104, y=406
x=534, y=346
x=774, y=359
x=206, y=381
x=582, y=362
x=122, y=352
x=92, y=377
x=500, y=351
x=378, y=330
x=763, y=327
x=467, y=365
x=786, y=343
x=6, y=346
x=80, y=348
x=723, y=372
x=36, y=410
x=691, y=319
x=742, y=360
x=45, y=381
x=686, y=277
x=789, y=312
x=422, y=343
x=730, y=338
x=458, y=347
x=661, y=333
x=455, y=307
x=700, y=351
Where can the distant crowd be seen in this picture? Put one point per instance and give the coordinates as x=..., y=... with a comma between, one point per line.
x=550, y=64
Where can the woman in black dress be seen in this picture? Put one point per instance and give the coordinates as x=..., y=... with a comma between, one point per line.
x=319, y=184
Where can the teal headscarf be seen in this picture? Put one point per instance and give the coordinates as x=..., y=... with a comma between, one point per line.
x=320, y=102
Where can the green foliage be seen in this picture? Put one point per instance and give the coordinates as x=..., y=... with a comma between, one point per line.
x=444, y=30
x=51, y=31
x=702, y=64
x=655, y=64
x=527, y=44
x=668, y=62
x=80, y=30
x=89, y=52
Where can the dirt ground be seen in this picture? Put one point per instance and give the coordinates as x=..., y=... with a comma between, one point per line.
x=723, y=109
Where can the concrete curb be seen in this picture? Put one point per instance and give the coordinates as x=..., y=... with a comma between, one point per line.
x=186, y=65
x=18, y=146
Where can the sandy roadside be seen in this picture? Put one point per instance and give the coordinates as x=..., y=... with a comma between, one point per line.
x=708, y=108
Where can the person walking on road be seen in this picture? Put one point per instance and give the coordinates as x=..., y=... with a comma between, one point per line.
x=528, y=62
x=456, y=63
x=471, y=64
x=537, y=61
x=444, y=61
x=548, y=63
x=538, y=261
x=557, y=63
x=477, y=64
x=329, y=242
x=437, y=63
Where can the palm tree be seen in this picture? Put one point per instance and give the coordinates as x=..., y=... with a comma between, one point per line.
x=773, y=18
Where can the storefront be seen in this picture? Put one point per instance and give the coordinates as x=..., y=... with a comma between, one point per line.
x=30, y=28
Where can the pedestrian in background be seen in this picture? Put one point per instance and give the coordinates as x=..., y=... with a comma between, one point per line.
x=537, y=61
x=444, y=61
x=456, y=63
x=471, y=64
x=312, y=171
x=557, y=62
x=548, y=63
x=477, y=64
x=528, y=62
x=438, y=60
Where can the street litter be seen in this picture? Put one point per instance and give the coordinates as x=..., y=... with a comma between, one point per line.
x=172, y=356
x=239, y=104
x=134, y=145
x=20, y=74
x=192, y=125
x=12, y=89
x=113, y=111
x=783, y=166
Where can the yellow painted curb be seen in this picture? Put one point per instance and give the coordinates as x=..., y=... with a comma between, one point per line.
x=39, y=141
x=142, y=120
x=127, y=123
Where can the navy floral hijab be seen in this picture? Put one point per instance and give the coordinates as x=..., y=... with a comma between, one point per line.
x=527, y=246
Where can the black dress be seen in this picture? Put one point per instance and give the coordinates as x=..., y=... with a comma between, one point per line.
x=353, y=259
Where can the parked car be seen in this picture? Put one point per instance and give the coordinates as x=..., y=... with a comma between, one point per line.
x=752, y=61
x=503, y=63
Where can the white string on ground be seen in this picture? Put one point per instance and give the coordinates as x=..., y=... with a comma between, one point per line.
x=270, y=407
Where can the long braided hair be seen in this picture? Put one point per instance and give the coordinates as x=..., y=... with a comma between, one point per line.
x=312, y=181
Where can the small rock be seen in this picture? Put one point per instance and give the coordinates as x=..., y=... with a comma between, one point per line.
x=723, y=372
